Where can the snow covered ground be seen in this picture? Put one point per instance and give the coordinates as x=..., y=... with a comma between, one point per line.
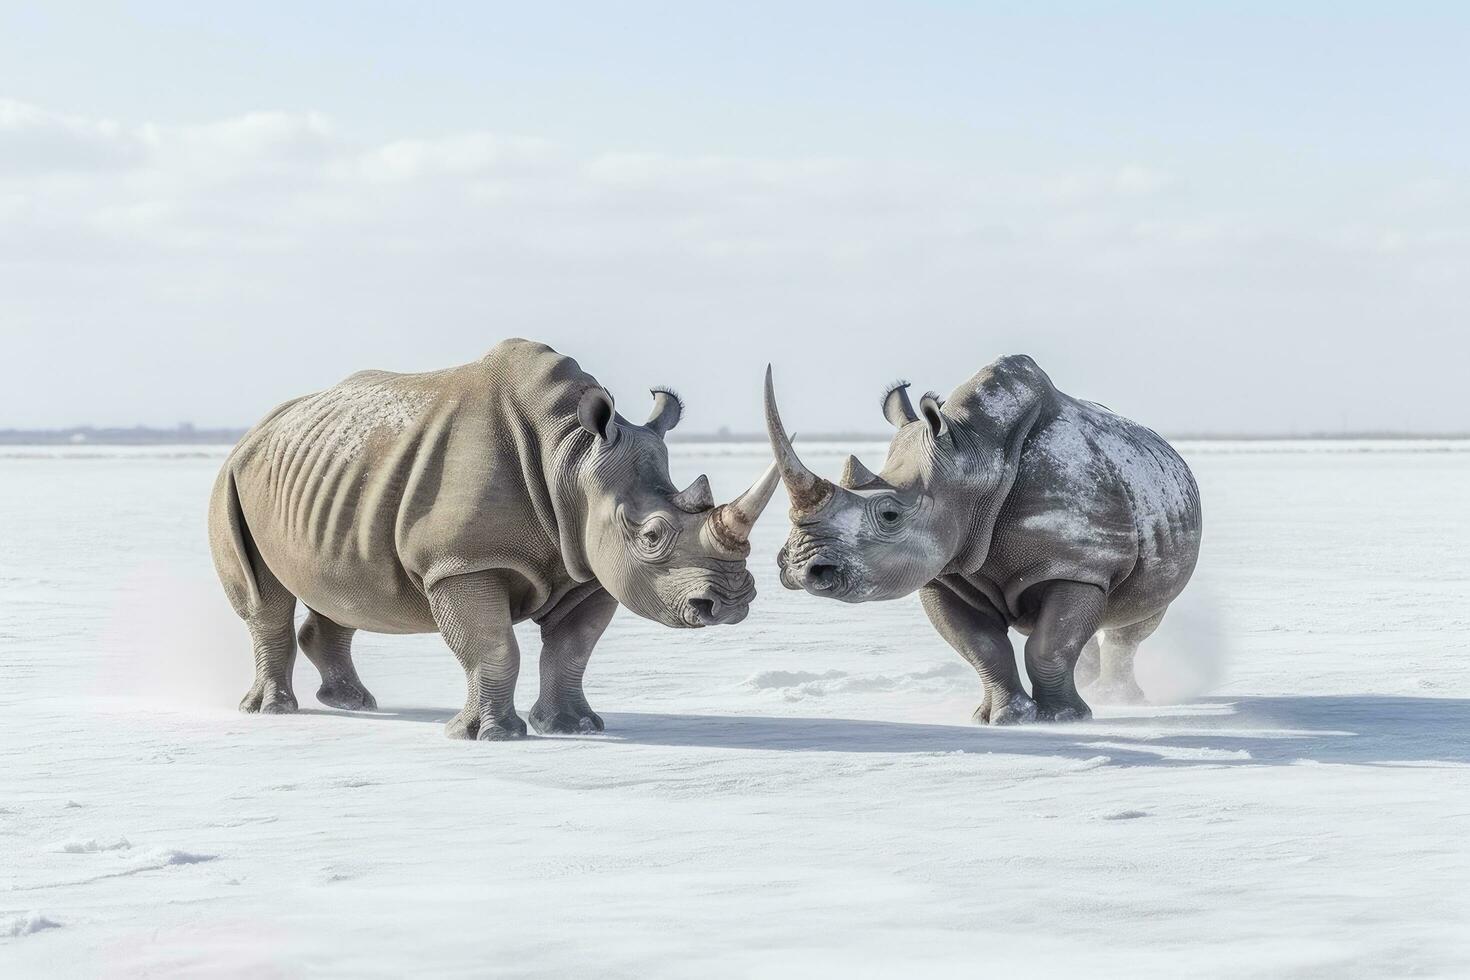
x=799, y=795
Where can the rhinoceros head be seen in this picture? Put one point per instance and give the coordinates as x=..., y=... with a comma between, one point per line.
x=933, y=506
x=669, y=555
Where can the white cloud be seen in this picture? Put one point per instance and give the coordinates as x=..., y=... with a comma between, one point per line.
x=34, y=142
x=1134, y=179
x=462, y=155
x=231, y=240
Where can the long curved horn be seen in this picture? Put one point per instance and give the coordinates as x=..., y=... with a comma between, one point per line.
x=808, y=491
x=730, y=524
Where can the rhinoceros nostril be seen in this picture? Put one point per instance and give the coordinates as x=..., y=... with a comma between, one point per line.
x=821, y=575
x=704, y=609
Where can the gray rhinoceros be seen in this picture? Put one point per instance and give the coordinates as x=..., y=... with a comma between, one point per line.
x=460, y=502
x=1008, y=505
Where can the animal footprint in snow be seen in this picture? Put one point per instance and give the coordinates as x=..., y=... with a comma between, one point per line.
x=92, y=846
x=25, y=925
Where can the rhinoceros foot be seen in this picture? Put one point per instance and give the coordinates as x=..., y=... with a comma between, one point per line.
x=504, y=729
x=464, y=725
x=348, y=695
x=551, y=719
x=467, y=725
x=1018, y=710
x=268, y=699
x=1124, y=691
x=1072, y=710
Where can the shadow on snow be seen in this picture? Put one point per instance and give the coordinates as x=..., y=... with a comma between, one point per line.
x=1280, y=730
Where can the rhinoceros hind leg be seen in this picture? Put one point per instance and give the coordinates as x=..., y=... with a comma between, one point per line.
x=1067, y=619
x=566, y=646
x=1116, y=683
x=258, y=597
x=328, y=645
x=1087, y=669
x=977, y=632
x=273, y=640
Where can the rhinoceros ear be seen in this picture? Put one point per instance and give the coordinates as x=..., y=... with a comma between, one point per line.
x=596, y=414
x=668, y=408
x=897, y=408
x=929, y=407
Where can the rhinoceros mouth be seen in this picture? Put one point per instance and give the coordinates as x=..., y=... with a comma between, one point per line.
x=788, y=579
x=717, y=604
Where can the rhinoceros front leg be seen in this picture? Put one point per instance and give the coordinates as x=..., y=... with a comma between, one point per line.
x=328, y=645
x=980, y=636
x=566, y=646
x=472, y=612
x=1069, y=616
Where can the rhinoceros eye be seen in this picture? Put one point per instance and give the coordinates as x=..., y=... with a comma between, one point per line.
x=888, y=512
x=653, y=540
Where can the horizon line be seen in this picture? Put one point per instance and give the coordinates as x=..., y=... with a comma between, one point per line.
x=187, y=433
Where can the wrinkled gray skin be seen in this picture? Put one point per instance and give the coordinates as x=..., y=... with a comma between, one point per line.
x=461, y=502
x=1007, y=505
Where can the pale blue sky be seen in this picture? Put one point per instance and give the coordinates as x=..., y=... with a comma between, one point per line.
x=1218, y=217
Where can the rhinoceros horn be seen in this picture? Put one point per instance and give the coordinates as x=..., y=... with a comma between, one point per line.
x=856, y=476
x=808, y=491
x=695, y=498
x=730, y=523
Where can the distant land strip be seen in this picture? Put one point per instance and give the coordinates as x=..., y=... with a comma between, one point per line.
x=87, y=435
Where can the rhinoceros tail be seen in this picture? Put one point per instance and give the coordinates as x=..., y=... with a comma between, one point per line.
x=231, y=544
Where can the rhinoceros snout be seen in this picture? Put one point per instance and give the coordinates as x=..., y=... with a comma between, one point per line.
x=821, y=575
x=709, y=609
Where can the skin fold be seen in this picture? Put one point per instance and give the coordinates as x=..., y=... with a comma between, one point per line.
x=461, y=502
x=1007, y=505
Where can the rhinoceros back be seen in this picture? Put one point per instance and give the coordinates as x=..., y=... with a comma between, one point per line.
x=360, y=497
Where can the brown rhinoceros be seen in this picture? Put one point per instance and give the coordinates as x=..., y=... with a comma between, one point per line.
x=461, y=502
